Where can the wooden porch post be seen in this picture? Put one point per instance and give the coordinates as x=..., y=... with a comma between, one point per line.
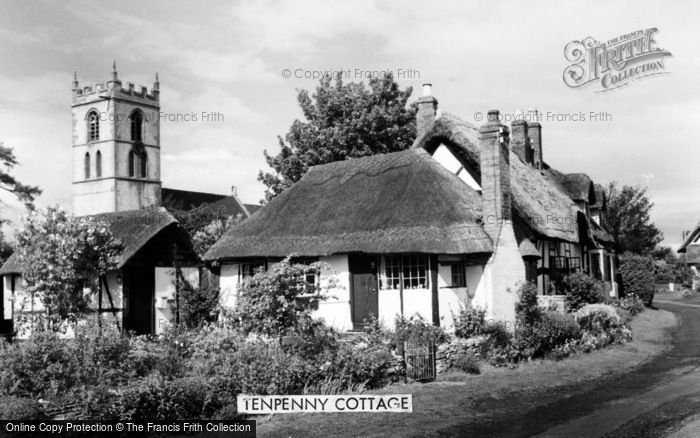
x=433, y=266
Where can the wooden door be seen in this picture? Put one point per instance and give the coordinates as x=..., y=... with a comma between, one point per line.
x=363, y=281
x=139, y=294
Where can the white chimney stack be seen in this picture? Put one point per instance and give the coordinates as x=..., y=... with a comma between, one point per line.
x=427, y=89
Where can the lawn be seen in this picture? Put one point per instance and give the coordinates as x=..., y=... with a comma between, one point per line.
x=457, y=399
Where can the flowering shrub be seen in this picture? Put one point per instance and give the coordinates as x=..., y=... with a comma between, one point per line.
x=61, y=254
x=416, y=329
x=470, y=322
x=269, y=301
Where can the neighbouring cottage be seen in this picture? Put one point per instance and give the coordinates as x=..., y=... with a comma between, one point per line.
x=116, y=178
x=464, y=217
x=140, y=294
x=691, y=249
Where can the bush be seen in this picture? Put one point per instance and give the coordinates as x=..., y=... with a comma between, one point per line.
x=637, y=277
x=466, y=362
x=19, y=408
x=416, y=330
x=157, y=399
x=470, y=322
x=581, y=289
x=310, y=339
x=269, y=301
x=42, y=366
x=553, y=330
x=360, y=364
x=602, y=326
x=527, y=311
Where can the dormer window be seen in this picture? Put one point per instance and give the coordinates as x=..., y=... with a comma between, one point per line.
x=93, y=126
x=136, y=126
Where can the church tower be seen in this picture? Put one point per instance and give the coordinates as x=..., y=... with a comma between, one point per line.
x=116, y=147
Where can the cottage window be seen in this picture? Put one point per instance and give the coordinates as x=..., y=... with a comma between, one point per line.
x=459, y=278
x=559, y=263
x=311, y=275
x=392, y=273
x=248, y=269
x=414, y=269
x=406, y=271
x=575, y=264
x=93, y=126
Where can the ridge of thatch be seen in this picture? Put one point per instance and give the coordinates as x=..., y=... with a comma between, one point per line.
x=542, y=205
x=579, y=186
x=401, y=202
x=134, y=228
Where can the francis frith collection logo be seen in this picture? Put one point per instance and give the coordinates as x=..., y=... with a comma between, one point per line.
x=614, y=63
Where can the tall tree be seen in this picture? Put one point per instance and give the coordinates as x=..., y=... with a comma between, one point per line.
x=628, y=219
x=342, y=121
x=8, y=182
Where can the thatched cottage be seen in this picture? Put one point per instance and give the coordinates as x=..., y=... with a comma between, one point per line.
x=463, y=217
x=691, y=248
x=139, y=294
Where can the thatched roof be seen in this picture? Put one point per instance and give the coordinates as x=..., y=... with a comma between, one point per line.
x=401, y=202
x=691, y=237
x=187, y=200
x=11, y=266
x=134, y=228
x=579, y=186
x=543, y=206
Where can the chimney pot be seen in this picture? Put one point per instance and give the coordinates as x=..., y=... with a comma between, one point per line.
x=427, y=107
x=493, y=116
x=234, y=191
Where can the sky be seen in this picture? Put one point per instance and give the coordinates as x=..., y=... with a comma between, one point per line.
x=233, y=58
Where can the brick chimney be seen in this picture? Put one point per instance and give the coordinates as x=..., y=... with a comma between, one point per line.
x=519, y=139
x=427, y=106
x=535, y=132
x=495, y=174
x=505, y=269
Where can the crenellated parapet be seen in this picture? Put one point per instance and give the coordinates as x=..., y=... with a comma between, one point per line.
x=115, y=89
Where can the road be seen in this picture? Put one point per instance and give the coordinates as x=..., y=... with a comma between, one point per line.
x=652, y=401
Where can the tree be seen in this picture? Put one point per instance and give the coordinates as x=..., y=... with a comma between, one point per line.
x=209, y=234
x=8, y=182
x=670, y=268
x=342, y=121
x=61, y=254
x=627, y=218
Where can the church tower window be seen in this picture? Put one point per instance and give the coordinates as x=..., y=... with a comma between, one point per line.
x=132, y=157
x=136, y=126
x=93, y=126
x=87, y=165
x=144, y=166
x=98, y=164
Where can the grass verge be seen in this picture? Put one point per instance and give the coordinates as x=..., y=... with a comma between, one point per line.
x=458, y=398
